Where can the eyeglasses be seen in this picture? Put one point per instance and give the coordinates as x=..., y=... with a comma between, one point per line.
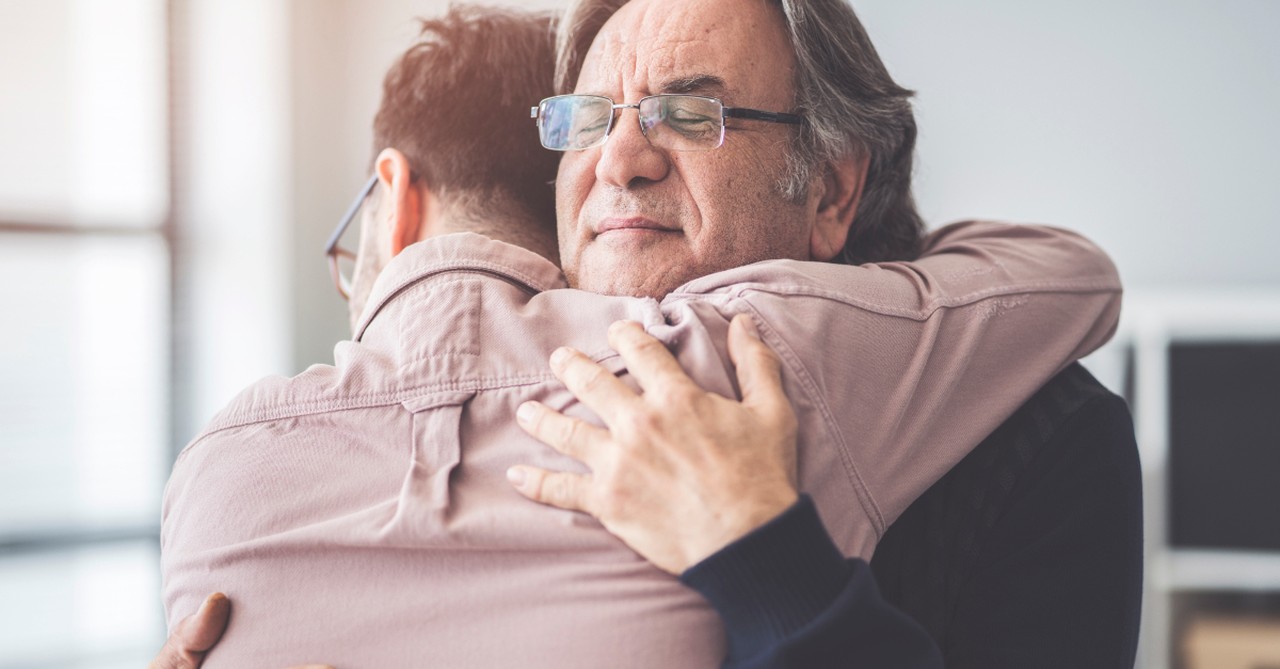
x=337, y=254
x=672, y=122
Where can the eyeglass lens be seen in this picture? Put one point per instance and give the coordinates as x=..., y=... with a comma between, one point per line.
x=682, y=122
x=574, y=122
x=672, y=122
x=342, y=265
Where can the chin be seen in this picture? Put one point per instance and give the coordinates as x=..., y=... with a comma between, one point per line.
x=637, y=276
x=620, y=289
x=622, y=286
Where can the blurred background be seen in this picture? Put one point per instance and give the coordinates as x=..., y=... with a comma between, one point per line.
x=170, y=169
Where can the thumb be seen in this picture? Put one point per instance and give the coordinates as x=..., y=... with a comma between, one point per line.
x=194, y=635
x=199, y=632
x=758, y=369
x=759, y=372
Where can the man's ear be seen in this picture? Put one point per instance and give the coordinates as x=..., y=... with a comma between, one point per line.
x=400, y=198
x=842, y=184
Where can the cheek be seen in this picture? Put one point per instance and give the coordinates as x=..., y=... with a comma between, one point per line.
x=573, y=183
x=743, y=216
x=568, y=178
x=737, y=202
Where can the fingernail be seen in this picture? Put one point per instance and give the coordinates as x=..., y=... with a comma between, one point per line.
x=525, y=412
x=560, y=356
x=749, y=326
x=516, y=476
x=209, y=602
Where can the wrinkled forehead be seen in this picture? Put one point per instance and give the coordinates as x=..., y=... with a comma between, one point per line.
x=733, y=49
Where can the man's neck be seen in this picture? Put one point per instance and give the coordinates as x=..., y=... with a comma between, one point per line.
x=504, y=226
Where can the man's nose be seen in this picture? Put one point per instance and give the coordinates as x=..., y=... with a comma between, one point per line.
x=627, y=156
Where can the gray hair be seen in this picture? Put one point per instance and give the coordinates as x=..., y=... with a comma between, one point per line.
x=853, y=108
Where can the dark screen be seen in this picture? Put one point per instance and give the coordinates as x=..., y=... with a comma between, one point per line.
x=1224, y=445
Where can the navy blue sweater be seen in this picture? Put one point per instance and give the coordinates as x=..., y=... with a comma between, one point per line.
x=1027, y=554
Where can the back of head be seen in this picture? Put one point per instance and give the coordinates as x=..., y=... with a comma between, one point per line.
x=456, y=104
x=852, y=105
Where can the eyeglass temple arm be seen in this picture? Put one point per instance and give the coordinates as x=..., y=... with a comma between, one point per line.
x=330, y=245
x=757, y=115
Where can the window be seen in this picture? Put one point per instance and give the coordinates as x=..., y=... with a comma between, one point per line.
x=85, y=345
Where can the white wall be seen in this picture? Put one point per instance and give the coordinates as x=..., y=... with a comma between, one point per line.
x=1150, y=127
x=233, y=178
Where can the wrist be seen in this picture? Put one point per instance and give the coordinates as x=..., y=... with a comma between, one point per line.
x=747, y=517
x=773, y=581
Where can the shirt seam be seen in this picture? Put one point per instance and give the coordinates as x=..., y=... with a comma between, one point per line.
x=263, y=414
x=807, y=385
x=365, y=401
x=922, y=313
x=505, y=272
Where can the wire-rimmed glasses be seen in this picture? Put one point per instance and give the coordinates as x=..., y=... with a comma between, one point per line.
x=675, y=122
x=336, y=253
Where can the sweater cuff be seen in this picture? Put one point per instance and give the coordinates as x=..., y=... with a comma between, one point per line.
x=774, y=581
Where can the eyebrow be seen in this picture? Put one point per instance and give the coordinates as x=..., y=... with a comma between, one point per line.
x=697, y=83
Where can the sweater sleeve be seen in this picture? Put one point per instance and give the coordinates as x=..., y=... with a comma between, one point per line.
x=788, y=598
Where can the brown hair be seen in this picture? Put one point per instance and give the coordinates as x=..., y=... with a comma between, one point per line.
x=852, y=105
x=456, y=104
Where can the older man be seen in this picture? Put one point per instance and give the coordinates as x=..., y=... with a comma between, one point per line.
x=1044, y=568
x=430, y=350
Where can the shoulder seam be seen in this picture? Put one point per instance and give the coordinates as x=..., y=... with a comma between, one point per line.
x=927, y=311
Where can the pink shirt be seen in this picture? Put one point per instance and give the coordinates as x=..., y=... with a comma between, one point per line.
x=358, y=514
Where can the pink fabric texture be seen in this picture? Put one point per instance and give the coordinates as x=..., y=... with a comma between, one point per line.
x=358, y=514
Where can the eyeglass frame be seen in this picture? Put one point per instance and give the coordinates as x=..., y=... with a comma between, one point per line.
x=331, y=249
x=726, y=112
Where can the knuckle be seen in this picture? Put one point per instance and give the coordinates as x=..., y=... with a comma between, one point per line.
x=646, y=345
x=644, y=422
x=537, y=486
x=611, y=502
x=680, y=395
x=593, y=378
x=766, y=357
x=558, y=490
x=574, y=433
x=568, y=431
x=625, y=333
